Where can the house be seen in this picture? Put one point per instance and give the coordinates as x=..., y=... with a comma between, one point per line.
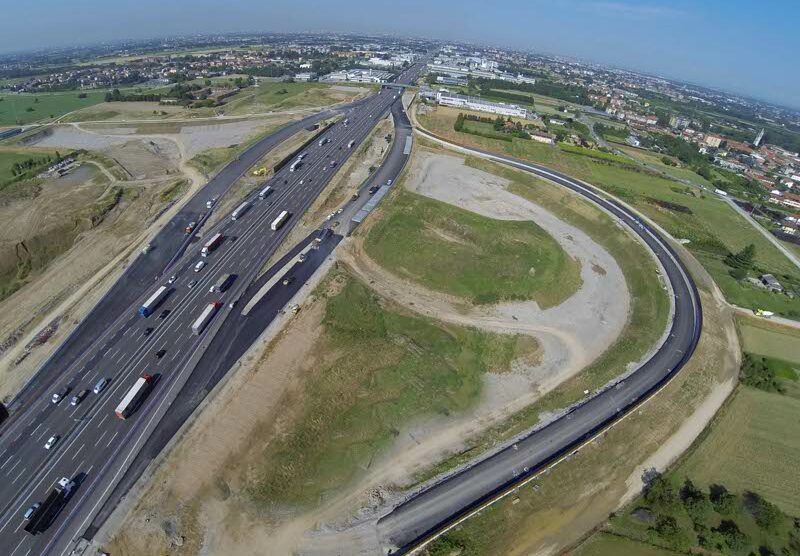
x=771, y=283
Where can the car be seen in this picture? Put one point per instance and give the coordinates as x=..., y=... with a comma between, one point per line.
x=147, y=331
x=199, y=266
x=301, y=182
x=30, y=511
x=172, y=279
x=302, y=258
x=354, y=197
x=340, y=211
x=51, y=442
x=60, y=395
x=288, y=280
x=160, y=353
x=164, y=314
x=78, y=398
x=373, y=189
x=192, y=284
x=389, y=182
x=101, y=384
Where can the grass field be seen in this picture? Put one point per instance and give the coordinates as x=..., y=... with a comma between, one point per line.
x=378, y=370
x=10, y=157
x=753, y=445
x=711, y=226
x=606, y=544
x=269, y=96
x=461, y=253
x=770, y=339
x=18, y=109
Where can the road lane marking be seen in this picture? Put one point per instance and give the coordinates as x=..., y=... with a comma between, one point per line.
x=112, y=439
x=19, y=475
x=17, y=547
x=10, y=469
x=78, y=451
x=101, y=438
x=102, y=420
x=9, y=459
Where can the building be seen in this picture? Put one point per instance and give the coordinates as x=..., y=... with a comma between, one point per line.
x=542, y=137
x=459, y=81
x=473, y=103
x=759, y=138
x=713, y=141
x=359, y=76
x=305, y=76
x=771, y=283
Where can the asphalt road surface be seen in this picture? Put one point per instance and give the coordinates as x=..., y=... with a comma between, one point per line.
x=118, y=344
x=437, y=508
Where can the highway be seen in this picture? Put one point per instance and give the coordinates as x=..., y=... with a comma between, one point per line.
x=118, y=344
x=435, y=509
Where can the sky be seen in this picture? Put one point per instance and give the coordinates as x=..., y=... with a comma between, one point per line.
x=745, y=47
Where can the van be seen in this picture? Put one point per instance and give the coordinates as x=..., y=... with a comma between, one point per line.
x=100, y=385
x=30, y=511
x=199, y=266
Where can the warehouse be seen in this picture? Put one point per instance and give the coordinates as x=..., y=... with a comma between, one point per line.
x=474, y=103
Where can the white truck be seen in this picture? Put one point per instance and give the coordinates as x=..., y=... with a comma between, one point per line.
x=205, y=317
x=264, y=192
x=134, y=397
x=240, y=210
x=153, y=301
x=280, y=220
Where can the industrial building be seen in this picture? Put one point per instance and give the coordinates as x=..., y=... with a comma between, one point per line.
x=359, y=76
x=445, y=98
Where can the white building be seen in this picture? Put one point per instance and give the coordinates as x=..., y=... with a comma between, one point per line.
x=480, y=105
x=359, y=76
x=305, y=76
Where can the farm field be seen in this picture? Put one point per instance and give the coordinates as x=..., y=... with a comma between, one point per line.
x=753, y=444
x=272, y=96
x=711, y=227
x=24, y=108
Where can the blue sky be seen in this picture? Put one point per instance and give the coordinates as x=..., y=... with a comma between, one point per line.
x=745, y=47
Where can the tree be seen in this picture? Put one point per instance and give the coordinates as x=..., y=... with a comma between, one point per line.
x=766, y=514
x=695, y=501
x=660, y=493
x=743, y=259
x=734, y=538
x=758, y=373
x=723, y=501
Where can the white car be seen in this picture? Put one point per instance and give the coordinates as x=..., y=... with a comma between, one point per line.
x=51, y=442
x=172, y=279
x=199, y=266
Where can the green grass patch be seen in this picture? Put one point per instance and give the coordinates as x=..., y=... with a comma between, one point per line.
x=173, y=191
x=648, y=313
x=458, y=252
x=770, y=339
x=382, y=369
x=268, y=96
x=713, y=228
x=25, y=108
x=607, y=544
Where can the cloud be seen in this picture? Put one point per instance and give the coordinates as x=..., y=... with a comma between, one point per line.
x=635, y=10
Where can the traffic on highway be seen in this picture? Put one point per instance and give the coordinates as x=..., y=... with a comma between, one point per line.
x=77, y=441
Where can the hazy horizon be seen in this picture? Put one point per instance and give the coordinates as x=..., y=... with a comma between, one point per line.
x=729, y=46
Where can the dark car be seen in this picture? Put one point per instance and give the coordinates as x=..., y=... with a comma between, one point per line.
x=160, y=353
x=373, y=189
x=78, y=398
x=164, y=314
x=147, y=331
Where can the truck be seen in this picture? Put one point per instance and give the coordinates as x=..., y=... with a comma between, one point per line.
x=47, y=511
x=301, y=156
x=134, y=397
x=153, y=301
x=295, y=165
x=323, y=234
x=280, y=220
x=223, y=283
x=350, y=144
x=205, y=317
x=264, y=192
x=240, y=210
x=211, y=244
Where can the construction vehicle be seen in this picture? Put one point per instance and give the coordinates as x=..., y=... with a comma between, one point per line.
x=763, y=313
x=260, y=171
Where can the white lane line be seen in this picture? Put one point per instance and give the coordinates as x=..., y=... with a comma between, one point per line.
x=20, y=544
x=101, y=438
x=78, y=451
x=6, y=462
x=10, y=469
x=102, y=420
x=41, y=435
x=78, y=468
x=112, y=439
x=19, y=475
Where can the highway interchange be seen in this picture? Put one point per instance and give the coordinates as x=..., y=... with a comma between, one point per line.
x=111, y=343
x=94, y=444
